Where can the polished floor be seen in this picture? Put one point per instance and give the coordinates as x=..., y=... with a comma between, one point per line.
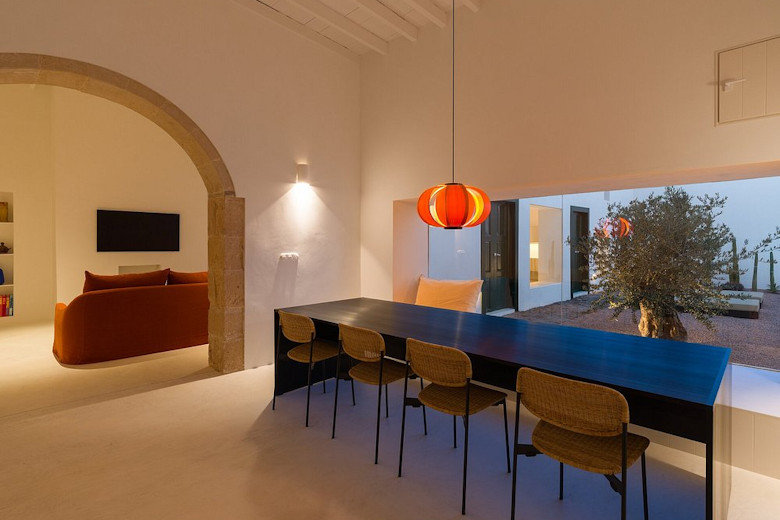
x=211, y=447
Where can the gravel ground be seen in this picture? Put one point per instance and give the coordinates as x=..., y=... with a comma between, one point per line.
x=753, y=342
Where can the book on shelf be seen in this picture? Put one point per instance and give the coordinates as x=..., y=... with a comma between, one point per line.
x=6, y=305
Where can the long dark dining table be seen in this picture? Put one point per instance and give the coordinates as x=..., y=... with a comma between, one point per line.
x=674, y=387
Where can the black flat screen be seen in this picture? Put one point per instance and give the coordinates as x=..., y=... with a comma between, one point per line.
x=137, y=231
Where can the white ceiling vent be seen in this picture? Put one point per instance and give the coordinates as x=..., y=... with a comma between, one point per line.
x=749, y=81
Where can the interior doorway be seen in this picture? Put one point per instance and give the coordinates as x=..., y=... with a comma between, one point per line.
x=580, y=227
x=499, y=258
x=225, y=210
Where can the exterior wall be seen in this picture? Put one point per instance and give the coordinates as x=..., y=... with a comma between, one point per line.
x=557, y=97
x=751, y=212
x=267, y=98
x=455, y=253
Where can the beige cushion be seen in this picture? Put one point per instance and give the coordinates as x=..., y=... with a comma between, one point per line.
x=456, y=295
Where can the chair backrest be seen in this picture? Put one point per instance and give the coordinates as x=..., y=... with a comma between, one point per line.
x=445, y=366
x=362, y=344
x=295, y=327
x=574, y=405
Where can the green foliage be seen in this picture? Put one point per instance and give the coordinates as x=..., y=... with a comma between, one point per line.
x=772, y=285
x=754, y=285
x=670, y=261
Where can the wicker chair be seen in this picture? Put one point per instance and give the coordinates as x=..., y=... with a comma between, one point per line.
x=450, y=391
x=367, y=347
x=581, y=424
x=300, y=329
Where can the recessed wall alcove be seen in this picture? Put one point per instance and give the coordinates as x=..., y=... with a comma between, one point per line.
x=225, y=210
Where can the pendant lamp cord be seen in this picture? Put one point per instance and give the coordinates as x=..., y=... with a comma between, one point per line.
x=453, y=91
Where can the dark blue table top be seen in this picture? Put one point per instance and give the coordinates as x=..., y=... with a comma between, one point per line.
x=688, y=372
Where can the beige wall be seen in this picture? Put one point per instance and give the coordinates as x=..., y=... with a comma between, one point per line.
x=555, y=97
x=266, y=97
x=26, y=170
x=69, y=154
x=109, y=157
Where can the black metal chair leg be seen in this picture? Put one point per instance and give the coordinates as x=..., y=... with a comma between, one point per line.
x=454, y=432
x=506, y=437
x=514, y=450
x=387, y=405
x=465, y=451
x=276, y=363
x=351, y=364
x=322, y=370
x=379, y=410
x=336, y=398
x=624, y=474
x=425, y=419
x=378, y=415
x=403, y=421
x=308, y=395
x=644, y=483
x=560, y=483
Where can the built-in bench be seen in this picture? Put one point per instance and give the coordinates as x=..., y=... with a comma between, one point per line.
x=743, y=308
x=750, y=295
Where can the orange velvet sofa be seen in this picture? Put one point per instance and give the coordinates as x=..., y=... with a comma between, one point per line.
x=131, y=321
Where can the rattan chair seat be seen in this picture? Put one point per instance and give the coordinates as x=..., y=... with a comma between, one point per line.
x=322, y=350
x=369, y=372
x=452, y=400
x=590, y=453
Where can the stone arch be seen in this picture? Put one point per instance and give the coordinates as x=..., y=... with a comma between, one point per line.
x=225, y=210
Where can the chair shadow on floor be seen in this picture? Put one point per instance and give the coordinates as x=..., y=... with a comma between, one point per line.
x=302, y=473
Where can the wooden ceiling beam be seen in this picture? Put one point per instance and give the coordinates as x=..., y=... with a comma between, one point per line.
x=474, y=5
x=430, y=10
x=343, y=24
x=389, y=18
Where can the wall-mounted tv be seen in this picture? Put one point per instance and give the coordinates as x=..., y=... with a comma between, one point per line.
x=137, y=231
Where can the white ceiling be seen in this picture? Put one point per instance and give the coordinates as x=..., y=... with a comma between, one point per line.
x=359, y=26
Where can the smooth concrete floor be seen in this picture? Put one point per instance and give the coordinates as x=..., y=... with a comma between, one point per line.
x=212, y=448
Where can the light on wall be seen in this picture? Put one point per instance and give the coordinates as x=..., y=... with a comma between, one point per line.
x=302, y=174
x=534, y=252
x=534, y=261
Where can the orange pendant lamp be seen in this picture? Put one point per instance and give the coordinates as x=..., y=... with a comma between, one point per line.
x=453, y=205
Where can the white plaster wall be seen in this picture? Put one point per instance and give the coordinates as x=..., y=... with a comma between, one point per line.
x=556, y=97
x=267, y=98
x=109, y=157
x=26, y=170
x=410, y=250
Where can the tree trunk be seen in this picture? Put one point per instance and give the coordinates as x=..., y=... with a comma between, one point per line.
x=652, y=325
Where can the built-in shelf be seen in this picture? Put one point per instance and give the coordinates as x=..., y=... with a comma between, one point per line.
x=7, y=259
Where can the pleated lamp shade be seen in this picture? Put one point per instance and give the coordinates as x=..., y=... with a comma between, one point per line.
x=453, y=206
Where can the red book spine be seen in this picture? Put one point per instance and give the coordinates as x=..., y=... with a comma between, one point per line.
x=3, y=305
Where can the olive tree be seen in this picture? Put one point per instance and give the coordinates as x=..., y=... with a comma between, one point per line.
x=660, y=256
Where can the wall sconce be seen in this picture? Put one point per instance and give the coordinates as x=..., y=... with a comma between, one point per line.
x=302, y=174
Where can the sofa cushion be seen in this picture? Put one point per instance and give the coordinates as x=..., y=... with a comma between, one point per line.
x=176, y=277
x=98, y=282
x=456, y=295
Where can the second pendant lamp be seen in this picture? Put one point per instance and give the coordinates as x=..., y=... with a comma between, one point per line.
x=453, y=205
